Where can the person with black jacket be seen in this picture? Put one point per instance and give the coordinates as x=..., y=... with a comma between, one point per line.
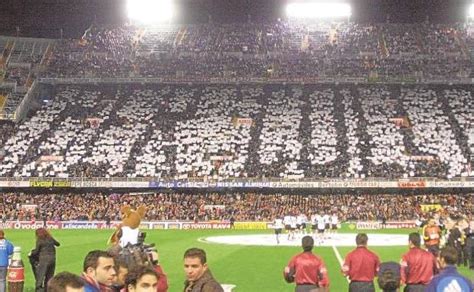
x=45, y=252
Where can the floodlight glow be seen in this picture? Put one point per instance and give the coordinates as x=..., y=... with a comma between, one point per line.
x=470, y=13
x=318, y=10
x=149, y=11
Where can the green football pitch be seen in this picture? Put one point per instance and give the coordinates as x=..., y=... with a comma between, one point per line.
x=250, y=268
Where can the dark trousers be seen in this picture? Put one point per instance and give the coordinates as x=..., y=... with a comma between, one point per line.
x=307, y=288
x=459, y=250
x=471, y=257
x=44, y=272
x=414, y=288
x=468, y=256
x=361, y=287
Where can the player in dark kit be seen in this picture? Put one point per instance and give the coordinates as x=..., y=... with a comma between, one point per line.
x=417, y=265
x=361, y=265
x=307, y=270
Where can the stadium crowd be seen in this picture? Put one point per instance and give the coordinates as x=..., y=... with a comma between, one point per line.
x=227, y=132
x=6, y=131
x=257, y=132
x=271, y=50
x=241, y=206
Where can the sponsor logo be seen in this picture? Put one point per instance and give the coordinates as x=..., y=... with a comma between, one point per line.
x=206, y=225
x=251, y=225
x=412, y=184
x=82, y=225
x=62, y=184
x=32, y=225
x=41, y=184
x=16, y=274
x=378, y=225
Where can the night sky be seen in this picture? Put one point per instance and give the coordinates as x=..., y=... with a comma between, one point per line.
x=44, y=18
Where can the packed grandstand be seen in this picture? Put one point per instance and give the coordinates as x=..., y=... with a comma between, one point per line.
x=323, y=127
x=352, y=105
x=395, y=131
x=221, y=207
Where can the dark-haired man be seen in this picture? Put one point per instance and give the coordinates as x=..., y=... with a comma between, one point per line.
x=141, y=279
x=307, y=270
x=417, y=266
x=361, y=265
x=449, y=279
x=198, y=276
x=98, y=271
x=65, y=282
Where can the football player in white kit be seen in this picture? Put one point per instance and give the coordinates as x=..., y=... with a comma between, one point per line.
x=278, y=227
x=327, y=225
x=334, y=223
x=321, y=227
x=287, y=223
x=314, y=224
x=292, y=227
x=301, y=223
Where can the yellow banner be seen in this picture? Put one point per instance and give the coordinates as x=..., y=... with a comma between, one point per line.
x=250, y=225
x=431, y=207
x=41, y=184
x=62, y=184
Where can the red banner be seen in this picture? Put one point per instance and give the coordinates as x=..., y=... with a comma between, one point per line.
x=412, y=184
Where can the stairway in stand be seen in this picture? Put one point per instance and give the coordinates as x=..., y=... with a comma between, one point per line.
x=470, y=46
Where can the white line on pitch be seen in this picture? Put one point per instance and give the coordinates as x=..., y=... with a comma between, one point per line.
x=339, y=258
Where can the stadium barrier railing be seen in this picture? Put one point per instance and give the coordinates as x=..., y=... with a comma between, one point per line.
x=307, y=183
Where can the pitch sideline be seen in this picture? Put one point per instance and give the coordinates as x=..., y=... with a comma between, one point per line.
x=339, y=258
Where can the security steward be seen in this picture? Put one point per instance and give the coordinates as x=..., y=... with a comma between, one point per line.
x=456, y=239
x=469, y=246
x=307, y=270
x=417, y=266
x=361, y=266
x=432, y=236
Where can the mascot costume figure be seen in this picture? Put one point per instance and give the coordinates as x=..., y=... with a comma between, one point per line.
x=128, y=244
x=128, y=232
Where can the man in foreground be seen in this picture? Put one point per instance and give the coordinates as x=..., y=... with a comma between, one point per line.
x=307, y=270
x=361, y=265
x=65, y=282
x=141, y=279
x=198, y=276
x=98, y=271
x=449, y=279
x=417, y=266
